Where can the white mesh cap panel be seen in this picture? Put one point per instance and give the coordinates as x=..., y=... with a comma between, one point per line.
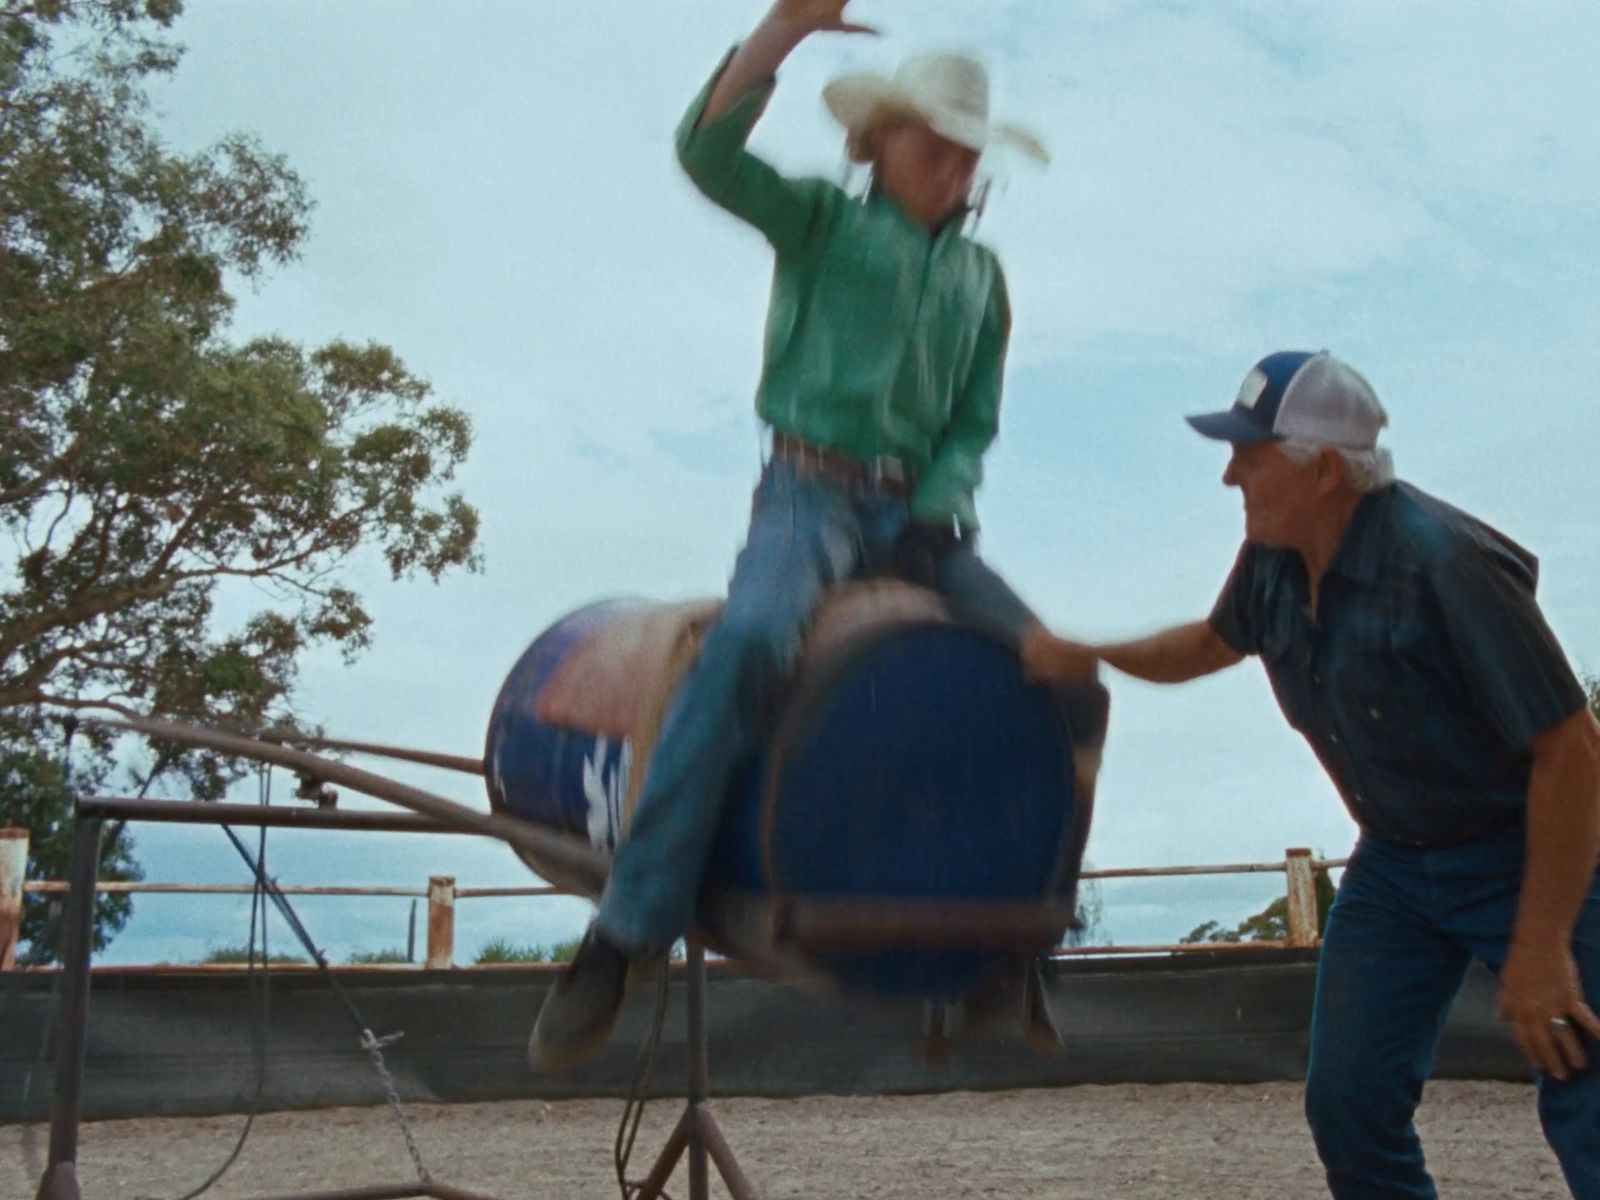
x=1329, y=403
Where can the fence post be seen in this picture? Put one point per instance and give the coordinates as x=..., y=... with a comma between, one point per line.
x=441, y=922
x=1302, y=897
x=13, y=869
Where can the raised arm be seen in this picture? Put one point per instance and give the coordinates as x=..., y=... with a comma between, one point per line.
x=711, y=137
x=786, y=25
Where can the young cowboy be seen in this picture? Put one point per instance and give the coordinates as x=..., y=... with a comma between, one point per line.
x=885, y=343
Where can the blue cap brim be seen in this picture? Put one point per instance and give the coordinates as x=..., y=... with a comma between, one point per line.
x=1231, y=425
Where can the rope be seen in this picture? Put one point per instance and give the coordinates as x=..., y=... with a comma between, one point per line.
x=633, y=1110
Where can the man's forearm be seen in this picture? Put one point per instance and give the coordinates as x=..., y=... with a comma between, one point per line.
x=1563, y=832
x=1174, y=655
x=757, y=59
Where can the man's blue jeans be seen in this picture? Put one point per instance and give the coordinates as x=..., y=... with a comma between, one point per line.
x=1405, y=926
x=806, y=534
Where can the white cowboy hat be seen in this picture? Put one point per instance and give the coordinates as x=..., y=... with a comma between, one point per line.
x=948, y=91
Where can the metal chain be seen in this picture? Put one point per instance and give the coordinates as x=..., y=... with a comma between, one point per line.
x=374, y=1048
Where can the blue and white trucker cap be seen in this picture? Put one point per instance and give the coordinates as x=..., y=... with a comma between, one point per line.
x=1295, y=394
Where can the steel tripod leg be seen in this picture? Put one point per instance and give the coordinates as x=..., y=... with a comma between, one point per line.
x=656, y=1181
x=697, y=1130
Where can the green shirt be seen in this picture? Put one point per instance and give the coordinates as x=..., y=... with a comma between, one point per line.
x=882, y=339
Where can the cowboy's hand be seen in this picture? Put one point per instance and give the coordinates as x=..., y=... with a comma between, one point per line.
x=1049, y=659
x=1542, y=1003
x=920, y=549
x=817, y=16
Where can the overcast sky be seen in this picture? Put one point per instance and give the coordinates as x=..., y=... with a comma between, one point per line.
x=1411, y=185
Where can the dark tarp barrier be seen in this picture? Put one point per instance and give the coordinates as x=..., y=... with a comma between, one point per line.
x=170, y=1043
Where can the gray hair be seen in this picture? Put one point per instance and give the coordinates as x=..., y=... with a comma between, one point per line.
x=1364, y=470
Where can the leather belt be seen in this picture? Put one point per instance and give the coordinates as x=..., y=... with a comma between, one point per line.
x=885, y=473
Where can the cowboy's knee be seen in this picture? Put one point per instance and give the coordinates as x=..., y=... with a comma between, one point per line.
x=762, y=646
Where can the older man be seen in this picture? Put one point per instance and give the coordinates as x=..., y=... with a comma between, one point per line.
x=1402, y=639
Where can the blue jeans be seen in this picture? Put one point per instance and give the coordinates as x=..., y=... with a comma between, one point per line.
x=1405, y=926
x=806, y=534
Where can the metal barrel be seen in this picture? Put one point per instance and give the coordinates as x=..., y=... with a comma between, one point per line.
x=903, y=828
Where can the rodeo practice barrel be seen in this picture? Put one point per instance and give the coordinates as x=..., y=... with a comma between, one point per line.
x=906, y=826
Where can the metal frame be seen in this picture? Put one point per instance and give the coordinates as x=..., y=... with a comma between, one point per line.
x=60, y=1179
x=697, y=1130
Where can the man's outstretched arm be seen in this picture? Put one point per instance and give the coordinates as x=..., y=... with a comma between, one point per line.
x=1174, y=655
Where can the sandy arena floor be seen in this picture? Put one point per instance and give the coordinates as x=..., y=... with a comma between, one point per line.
x=1104, y=1143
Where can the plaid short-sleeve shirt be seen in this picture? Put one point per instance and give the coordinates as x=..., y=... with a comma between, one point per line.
x=1426, y=674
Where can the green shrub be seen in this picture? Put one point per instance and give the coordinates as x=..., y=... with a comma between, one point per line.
x=504, y=950
x=241, y=954
x=363, y=958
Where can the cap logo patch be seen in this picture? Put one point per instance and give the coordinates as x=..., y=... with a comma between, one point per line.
x=1250, y=391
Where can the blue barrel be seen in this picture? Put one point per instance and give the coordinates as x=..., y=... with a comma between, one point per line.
x=909, y=763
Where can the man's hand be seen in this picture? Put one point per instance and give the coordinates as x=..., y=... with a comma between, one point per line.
x=816, y=16
x=1049, y=659
x=1542, y=1003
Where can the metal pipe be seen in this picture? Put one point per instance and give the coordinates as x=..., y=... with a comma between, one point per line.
x=72, y=1020
x=699, y=1070
x=112, y=887
x=569, y=855
x=738, y=1185
x=655, y=1182
x=447, y=1191
x=386, y=1191
x=47, y=887
x=1218, y=869
x=1179, y=948
x=426, y=758
x=376, y=1191
x=274, y=816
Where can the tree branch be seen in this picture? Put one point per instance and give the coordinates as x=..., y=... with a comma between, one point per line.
x=80, y=705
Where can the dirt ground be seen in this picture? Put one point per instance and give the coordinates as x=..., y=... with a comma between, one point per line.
x=1105, y=1143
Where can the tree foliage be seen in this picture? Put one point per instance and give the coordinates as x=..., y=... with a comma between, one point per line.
x=181, y=510
x=1271, y=924
x=36, y=793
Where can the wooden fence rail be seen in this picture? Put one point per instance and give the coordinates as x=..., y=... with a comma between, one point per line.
x=1297, y=866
